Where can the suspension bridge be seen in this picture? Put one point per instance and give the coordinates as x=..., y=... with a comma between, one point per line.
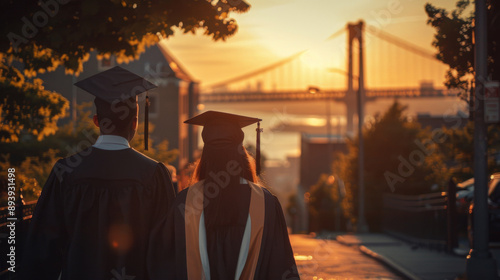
x=396, y=69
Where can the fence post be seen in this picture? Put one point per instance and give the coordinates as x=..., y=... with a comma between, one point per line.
x=20, y=227
x=20, y=207
x=451, y=215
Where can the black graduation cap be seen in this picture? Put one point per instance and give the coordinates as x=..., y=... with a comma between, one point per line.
x=117, y=85
x=221, y=128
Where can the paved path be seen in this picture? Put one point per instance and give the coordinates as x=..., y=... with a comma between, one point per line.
x=414, y=262
x=319, y=259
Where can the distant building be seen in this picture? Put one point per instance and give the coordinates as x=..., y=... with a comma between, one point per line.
x=313, y=157
x=174, y=101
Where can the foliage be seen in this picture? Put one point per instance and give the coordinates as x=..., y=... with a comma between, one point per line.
x=68, y=139
x=458, y=150
x=159, y=152
x=399, y=157
x=292, y=209
x=322, y=201
x=454, y=40
x=293, y=205
x=123, y=28
x=29, y=174
x=43, y=35
x=27, y=106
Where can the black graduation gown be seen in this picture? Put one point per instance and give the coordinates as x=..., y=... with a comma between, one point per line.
x=275, y=260
x=98, y=216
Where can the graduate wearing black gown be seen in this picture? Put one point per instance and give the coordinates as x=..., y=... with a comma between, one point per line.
x=226, y=226
x=101, y=210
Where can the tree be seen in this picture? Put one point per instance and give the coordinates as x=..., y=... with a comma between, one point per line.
x=292, y=210
x=400, y=157
x=42, y=35
x=454, y=41
x=31, y=174
x=158, y=151
x=67, y=140
x=458, y=150
x=27, y=107
x=323, y=199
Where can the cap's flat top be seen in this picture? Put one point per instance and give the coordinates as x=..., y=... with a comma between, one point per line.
x=216, y=118
x=221, y=128
x=115, y=84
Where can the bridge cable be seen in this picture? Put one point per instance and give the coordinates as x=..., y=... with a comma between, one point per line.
x=257, y=72
x=270, y=67
x=400, y=42
x=336, y=34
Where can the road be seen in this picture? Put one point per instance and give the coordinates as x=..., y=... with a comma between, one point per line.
x=319, y=259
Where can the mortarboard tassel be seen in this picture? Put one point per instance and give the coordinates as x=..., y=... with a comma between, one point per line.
x=146, y=123
x=257, y=149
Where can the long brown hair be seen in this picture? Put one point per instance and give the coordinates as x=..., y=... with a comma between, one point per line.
x=229, y=162
x=214, y=160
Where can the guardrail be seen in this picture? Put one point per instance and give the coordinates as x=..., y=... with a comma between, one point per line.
x=27, y=212
x=419, y=219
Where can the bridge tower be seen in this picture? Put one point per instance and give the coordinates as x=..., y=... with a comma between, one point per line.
x=355, y=32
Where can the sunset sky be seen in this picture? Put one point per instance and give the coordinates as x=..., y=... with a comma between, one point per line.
x=275, y=29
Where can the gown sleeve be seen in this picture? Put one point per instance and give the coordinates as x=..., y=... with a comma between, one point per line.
x=164, y=195
x=277, y=255
x=46, y=237
x=175, y=264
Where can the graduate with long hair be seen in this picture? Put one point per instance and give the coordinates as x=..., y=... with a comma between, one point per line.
x=225, y=225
